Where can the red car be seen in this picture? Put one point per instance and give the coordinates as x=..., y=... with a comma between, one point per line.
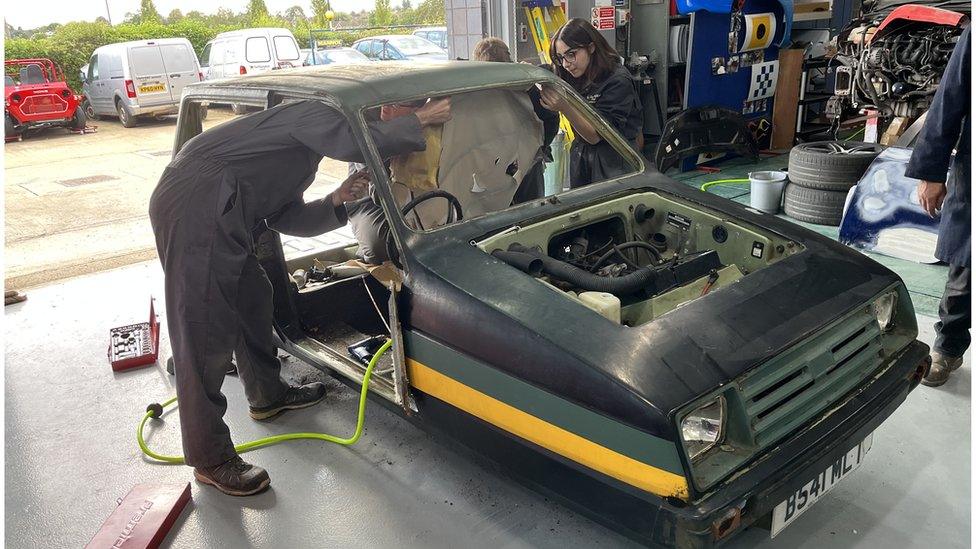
x=37, y=96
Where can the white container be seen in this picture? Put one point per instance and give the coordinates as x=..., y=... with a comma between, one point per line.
x=608, y=305
x=766, y=190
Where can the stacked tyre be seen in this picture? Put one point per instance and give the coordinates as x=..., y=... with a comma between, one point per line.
x=821, y=174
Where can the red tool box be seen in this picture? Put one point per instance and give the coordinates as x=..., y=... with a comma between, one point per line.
x=143, y=517
x=136, y=344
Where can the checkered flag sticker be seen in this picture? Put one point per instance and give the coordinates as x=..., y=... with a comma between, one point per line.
x=763, y=83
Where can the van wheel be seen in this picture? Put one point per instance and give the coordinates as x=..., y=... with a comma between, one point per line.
x=125, y=117
x=79, y=120
x=89, y=110
x=237, y=108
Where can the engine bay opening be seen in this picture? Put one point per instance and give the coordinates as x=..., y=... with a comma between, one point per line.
x=636, y=258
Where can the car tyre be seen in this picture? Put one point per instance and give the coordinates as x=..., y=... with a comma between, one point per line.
x=125, y=117
x=203, y=112
x=9, y=128
x=79, y=121
x=831, y=165
x=89, y=110
x=814, y=205
x=237, y=108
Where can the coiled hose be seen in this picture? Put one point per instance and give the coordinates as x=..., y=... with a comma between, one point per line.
x=156, y=410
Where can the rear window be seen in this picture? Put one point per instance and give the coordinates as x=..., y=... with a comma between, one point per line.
x=256, y=50
x=178, y=58
x=146, y=61
x=286, y=48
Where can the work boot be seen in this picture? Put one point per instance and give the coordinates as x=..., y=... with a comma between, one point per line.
x=942, y=366
x=295, y=398
x=234, y=477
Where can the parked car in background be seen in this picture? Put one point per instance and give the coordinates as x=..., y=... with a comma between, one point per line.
x=139, y=78
x=400, y=47
x=250, y=51
x=437, y=35
x=335, y=56
x=36, y=95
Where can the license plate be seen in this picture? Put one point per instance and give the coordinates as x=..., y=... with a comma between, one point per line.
x=153, y=88
x=804, y=498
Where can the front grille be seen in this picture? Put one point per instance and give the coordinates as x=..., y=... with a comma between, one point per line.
x=44, y=104
x=787, y=391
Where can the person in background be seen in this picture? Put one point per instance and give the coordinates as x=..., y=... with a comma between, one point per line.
x=533, y=184
x=947, y=126
x=584, y=59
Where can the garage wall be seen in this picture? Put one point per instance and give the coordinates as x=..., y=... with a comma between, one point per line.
x=465, y=26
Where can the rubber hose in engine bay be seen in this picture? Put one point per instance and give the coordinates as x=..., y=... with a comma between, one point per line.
x=643, y=277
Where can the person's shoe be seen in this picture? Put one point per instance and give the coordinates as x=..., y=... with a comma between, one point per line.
x=295, y=398
x=941, y=367
x=234, y=477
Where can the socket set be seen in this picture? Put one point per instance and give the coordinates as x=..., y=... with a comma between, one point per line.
x=136, y=344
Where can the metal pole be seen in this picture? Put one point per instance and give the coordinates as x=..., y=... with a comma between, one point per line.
x=108, y=13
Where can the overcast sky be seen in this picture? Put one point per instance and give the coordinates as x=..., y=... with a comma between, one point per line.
x=29, y=16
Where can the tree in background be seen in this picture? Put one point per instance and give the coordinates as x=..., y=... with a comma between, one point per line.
x=319, y=9
x=382, y=15
x=257, y=10
x=430, y=12
x=174, y=16
x=295, y=16
x=148, y=12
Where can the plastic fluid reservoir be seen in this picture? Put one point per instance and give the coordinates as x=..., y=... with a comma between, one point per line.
x=606, y=304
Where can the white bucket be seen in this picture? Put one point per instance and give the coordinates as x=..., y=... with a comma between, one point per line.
x=766, y=190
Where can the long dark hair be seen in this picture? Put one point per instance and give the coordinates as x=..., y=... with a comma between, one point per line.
x=579, y=33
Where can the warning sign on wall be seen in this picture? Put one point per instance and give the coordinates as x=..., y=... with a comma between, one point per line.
x=603, y=17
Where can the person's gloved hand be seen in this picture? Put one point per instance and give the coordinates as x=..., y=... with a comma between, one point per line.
x=931, y=195
x=353, y=188
x=435, y=111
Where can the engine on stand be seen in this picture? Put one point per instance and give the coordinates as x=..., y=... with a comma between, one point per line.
x=892, y=65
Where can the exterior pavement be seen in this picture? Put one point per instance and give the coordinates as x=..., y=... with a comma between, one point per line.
x=77, y=204
x=71, y=451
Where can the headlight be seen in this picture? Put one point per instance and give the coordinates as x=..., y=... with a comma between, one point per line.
x=884, y=310
x=704, y=428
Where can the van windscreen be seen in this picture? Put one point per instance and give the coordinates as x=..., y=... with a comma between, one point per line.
x=179, y=58
x=146, y=61
x=286, y=48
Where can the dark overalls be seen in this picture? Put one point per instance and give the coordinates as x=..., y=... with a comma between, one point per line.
x=947, y=126
x=210, y=198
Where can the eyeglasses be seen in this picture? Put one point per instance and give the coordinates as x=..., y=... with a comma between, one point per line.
x=570, y=56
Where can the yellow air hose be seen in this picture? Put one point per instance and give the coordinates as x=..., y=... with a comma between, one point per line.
x=156, y=410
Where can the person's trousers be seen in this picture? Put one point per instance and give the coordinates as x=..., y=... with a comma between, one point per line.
x=218, y=302
x=952, y=336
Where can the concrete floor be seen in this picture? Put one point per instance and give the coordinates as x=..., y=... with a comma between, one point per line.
x=71, y=451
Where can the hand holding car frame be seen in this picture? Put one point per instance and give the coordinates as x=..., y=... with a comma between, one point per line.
x=353, y=188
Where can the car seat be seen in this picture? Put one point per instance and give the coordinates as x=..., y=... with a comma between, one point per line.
x=32, y=74
x=8, y=80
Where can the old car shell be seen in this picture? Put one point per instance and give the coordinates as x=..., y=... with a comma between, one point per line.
x=456, y=310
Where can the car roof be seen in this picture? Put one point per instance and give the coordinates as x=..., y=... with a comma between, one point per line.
x=358, y=85
x=146, y=42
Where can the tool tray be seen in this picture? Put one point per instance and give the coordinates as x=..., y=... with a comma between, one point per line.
x=136, y=344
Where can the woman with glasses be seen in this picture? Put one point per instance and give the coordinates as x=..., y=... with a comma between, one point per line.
x=584, y=59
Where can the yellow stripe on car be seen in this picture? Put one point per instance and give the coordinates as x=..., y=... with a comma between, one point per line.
x=569, y=445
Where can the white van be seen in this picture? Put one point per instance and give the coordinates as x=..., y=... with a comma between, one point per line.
x=248, y=51
x=139, y=78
